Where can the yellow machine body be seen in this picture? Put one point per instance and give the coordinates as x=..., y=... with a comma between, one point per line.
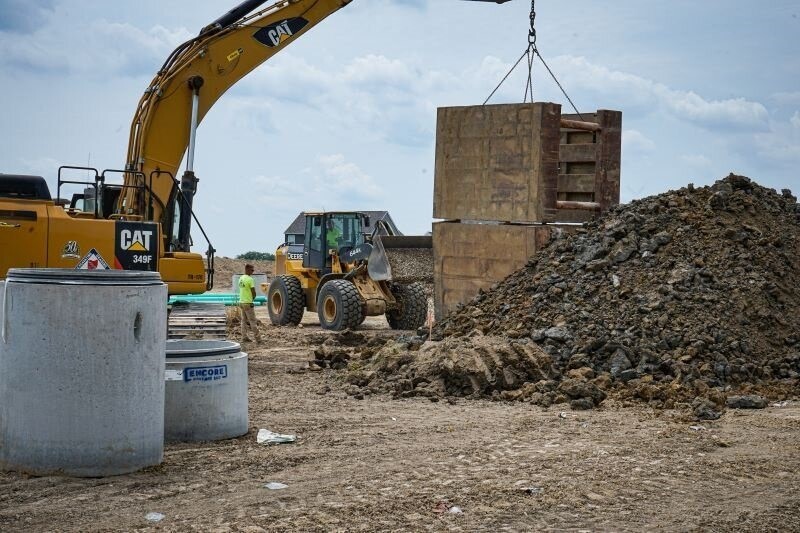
x=376, y=294
x=41, y=234
x=343, y=275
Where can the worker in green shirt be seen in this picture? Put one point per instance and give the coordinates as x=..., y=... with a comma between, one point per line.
x=333, y=235
x=247, y=294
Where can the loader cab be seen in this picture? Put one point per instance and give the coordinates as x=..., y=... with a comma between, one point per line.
x=327, y=232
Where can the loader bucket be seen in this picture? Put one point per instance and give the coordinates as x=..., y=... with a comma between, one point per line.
x=404, y=259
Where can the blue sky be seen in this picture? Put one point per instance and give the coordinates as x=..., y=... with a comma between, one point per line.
x=345, y=117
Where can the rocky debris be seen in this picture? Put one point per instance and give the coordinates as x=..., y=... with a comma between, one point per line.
x=474, y=367
x=749, y=401
x=705, y=409
x=689, y=294
x=338, y=349
x=411, y=265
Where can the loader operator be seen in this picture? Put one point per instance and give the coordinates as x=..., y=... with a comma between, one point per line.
x=247, y=293
x=333, y=235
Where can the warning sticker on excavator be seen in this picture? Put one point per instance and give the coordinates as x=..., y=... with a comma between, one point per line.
x=136, y=246
x=234, y=55
x=92, y=261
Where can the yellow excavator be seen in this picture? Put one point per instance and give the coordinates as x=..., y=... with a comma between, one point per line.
x=145, y=223
x=346, y=276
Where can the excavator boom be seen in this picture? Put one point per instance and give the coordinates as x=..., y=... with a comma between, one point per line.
x=191, y=80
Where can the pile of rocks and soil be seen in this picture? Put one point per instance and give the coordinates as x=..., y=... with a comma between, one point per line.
x=226, y=267
x=691, y=296
x=412, y=265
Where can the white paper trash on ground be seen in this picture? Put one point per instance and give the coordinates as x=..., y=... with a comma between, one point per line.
x=266, y=436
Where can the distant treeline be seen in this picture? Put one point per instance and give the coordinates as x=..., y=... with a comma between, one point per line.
x=256, y=256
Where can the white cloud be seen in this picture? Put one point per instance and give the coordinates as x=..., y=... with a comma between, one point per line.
x=332, y=182
x=779, y=150
x=786, y=98
x=42, y=166
x=106, y=48
x=246, y=116
x=394, y=99
x=732, y=112
x=697, y=161
x=636, y=141
x=372, y=71
x=774, y=147
x=626, y=90
x=22, y=15
x=276, y=191
x=377, y=96
x=345, y=179
x=291, y=78
x=782, y=142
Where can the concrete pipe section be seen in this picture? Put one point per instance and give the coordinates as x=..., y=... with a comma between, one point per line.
x=206, y=391
x=81, y=371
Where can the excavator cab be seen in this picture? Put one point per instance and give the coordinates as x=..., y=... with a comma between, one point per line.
x=105, y=198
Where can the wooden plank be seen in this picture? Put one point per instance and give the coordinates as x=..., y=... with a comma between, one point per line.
x=579, y=125
x=585, y=117
x=579, y=206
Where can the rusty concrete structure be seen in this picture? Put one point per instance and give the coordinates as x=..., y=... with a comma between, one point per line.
x=505, y=174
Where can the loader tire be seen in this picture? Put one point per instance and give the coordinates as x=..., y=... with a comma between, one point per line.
x=413, y=307
x=285, y=301
x=339, y=305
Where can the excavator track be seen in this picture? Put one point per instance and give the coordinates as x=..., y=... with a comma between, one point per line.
x=192, y=320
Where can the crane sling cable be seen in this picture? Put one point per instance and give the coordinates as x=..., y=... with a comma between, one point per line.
x=531, y=52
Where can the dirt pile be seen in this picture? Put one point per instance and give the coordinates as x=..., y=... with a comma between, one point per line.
x=686, y=296
x=226, y=267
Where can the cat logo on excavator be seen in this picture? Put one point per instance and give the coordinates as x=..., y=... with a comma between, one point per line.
x=135, y=241
x=275, y=34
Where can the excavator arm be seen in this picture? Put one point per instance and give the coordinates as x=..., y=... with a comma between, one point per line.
x=191, y=80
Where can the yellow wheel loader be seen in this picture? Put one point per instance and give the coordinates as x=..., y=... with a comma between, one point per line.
x=345, y=276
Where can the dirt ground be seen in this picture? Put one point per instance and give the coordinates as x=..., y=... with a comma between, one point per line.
x=383, y=464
